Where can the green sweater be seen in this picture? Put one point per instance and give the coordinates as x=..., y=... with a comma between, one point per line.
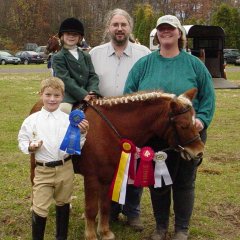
x=78, y=76
x=175, y=75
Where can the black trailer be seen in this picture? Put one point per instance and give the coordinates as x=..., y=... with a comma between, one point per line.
x=207, y=43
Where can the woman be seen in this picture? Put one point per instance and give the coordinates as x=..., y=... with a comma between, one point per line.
x=173, y=70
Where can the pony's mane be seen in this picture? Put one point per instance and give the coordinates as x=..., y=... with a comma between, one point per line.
x=133, y=97
x=140, y=97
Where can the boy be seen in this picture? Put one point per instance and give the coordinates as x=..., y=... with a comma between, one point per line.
x=42, y=133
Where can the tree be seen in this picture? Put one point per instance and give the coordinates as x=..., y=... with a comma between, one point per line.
x=228, y=18
x=145, y=21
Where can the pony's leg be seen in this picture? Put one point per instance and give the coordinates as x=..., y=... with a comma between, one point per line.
x=104, y=212
x=91, y=187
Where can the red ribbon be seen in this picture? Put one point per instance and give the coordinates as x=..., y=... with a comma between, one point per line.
x=145, y=172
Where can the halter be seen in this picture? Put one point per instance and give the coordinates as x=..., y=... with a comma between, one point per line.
x=172, y=116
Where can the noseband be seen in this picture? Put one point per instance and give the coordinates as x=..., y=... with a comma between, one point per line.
x=180, y=146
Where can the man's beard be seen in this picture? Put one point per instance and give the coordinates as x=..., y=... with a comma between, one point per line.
x=120, y=42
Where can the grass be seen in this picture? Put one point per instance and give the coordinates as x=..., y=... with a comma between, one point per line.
x=216, y=214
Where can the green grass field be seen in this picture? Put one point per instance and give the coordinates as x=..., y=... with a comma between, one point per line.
x=217, y=207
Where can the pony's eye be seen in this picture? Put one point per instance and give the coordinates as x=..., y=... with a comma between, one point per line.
x=185, y=126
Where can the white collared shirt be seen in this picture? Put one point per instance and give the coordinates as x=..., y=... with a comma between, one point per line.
x=50, y=127
x=113, y=70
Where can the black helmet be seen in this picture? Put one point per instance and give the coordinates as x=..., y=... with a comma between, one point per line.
x=71, y=25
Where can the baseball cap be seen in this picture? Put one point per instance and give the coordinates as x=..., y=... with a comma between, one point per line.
x=169, y=19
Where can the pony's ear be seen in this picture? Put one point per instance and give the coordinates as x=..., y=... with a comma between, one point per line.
x=190, y=94
x=174, y=105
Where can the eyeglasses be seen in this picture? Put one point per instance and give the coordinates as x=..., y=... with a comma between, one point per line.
x=117, y=25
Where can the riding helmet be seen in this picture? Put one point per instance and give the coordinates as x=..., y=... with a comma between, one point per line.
x=71, y=25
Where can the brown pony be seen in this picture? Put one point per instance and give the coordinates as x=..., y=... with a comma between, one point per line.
x=53, y=44
x=137, y=117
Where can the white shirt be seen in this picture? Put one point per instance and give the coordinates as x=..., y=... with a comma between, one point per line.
x=74, y=52
x=50, y=127
x=113, y=70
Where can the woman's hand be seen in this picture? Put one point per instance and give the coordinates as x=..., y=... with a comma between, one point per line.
x=199, y=125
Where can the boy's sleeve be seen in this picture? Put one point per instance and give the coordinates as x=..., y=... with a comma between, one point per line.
x=24, y=138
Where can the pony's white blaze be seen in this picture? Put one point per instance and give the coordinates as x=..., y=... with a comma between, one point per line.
x=193, y=120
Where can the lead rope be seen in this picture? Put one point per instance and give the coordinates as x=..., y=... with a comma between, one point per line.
x=103, y=117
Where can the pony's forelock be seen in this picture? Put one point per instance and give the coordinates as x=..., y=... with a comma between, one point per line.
x=183, y=99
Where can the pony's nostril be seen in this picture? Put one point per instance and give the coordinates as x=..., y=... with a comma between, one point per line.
x=200, y=155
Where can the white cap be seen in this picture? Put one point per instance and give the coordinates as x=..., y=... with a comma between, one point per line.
x=171, y=20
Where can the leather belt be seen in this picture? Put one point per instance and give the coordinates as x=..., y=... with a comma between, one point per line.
x=53, y=163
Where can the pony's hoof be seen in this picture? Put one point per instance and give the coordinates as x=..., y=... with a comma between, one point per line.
x=108, y=236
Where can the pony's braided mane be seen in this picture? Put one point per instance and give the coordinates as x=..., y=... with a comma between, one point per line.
x=139, y=97
x=134, y=97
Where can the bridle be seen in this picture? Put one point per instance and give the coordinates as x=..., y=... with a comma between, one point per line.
x=179, y=146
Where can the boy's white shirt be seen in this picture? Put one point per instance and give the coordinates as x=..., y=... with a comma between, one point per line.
x=50, y=127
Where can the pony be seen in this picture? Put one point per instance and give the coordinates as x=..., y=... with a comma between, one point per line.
x=137, y=117
x=53, y=44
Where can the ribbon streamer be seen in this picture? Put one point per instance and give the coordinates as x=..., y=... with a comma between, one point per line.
x=161, y=170
x=119, y=184
x=71, y=141
x=145, y=174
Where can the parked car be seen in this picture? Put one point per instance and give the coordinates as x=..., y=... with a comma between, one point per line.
x=237, y=62
x=8, y=58
x=30, y=46
x=230, y=55
x=29, y=57
x=41, y=50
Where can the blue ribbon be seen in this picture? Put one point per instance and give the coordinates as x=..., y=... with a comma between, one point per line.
x=71, y=141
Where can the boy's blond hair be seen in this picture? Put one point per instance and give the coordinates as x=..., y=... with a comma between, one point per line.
x=53, y=82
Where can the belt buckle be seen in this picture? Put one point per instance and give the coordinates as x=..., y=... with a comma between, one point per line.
x=50, y=164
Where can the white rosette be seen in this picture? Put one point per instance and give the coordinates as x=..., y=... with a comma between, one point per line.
x=161, y=170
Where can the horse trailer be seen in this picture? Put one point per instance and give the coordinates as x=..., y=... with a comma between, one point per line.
x=206, y=43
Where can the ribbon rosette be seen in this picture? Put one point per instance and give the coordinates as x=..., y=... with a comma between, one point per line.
x=71, y=141
x=161, y=170
x=144, y=177
x=119, y=183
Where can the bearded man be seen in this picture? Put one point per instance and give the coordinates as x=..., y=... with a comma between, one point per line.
x=112, y=62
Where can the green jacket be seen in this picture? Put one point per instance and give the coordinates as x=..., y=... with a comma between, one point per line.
x=78, y=76
x=175, y=75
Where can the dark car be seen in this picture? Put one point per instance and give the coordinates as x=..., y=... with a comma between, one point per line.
x=29, y=57
x=230, y=55
x=8, y=58
x=41, y=50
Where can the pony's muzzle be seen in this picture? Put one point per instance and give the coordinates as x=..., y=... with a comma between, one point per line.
x=188, y=155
